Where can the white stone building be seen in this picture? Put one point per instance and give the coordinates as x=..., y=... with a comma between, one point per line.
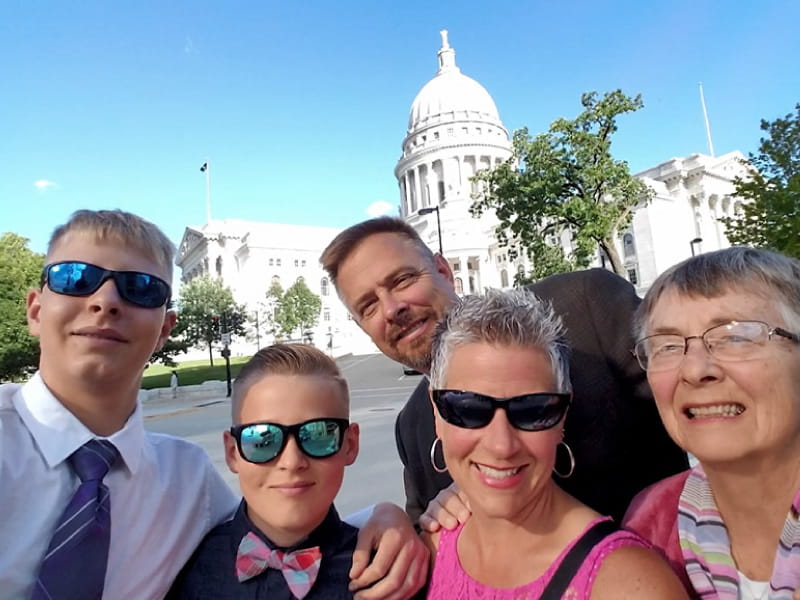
x=454, y=130
x=248, y=256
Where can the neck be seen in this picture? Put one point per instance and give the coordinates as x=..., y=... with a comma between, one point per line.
x=103, y=408
x=281, y=536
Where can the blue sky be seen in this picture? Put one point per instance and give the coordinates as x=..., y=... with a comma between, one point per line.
x=302, y=106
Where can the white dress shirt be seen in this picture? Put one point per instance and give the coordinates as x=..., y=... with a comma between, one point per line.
x=165, y=495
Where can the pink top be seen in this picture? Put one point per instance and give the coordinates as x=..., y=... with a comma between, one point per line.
x=449, y=580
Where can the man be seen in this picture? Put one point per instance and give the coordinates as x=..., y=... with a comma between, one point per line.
x=397, y=289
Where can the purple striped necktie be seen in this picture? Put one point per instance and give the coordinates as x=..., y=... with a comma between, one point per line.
x=74, y=565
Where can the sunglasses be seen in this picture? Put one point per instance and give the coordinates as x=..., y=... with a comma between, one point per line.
x=73, y=278
x=528, y=412
x=262, y=442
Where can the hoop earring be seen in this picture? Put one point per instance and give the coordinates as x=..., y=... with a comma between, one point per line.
x=571, y=461
x=433, y=458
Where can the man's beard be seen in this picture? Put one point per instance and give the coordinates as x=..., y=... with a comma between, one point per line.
x=418, y=356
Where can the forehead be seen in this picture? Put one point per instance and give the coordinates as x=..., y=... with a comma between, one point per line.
x=678, y=310
x=499, y=370
x=376, y=258
x=109, y=253
x=289, y=399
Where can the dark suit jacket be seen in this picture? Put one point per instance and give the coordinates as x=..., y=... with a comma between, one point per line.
x=613, y=428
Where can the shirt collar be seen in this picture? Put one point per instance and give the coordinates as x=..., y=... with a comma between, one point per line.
x=58, y=433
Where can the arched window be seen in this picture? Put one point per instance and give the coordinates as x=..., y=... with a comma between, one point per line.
x=628, y=246
x=323, y=286
x=459, y=285
x=219, y=266
x=504, y=278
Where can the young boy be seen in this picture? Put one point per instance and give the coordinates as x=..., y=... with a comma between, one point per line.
x=102, y=309
x=289, y=445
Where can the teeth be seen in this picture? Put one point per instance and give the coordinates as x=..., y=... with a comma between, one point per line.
x=498, y=473
x=717, y=410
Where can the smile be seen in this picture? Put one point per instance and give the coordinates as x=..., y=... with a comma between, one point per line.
x=410, y=330
x=498, y=473
x=715, y=410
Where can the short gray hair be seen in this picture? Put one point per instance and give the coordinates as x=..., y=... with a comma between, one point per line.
x=505, y=318
x=738, y=268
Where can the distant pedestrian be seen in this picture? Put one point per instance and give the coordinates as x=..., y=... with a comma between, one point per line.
x=173, y=383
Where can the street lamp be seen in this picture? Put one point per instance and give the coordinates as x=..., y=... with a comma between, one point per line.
x=427, y=211
x=695, y=245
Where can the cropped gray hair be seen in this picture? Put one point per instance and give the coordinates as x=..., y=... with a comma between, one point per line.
x=505, y=318
x=752, y=270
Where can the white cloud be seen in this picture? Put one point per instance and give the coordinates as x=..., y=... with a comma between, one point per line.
x=380, y=208
x=43, y=185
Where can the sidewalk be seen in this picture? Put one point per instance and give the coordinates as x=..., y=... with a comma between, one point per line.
x=165, y=407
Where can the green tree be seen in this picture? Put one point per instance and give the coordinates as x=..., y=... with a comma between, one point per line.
x=772, y=217
x=20, y=270
x=207, y=309
x=565, y=180
x=272, y=308
x=177, y=343
x=298, y=308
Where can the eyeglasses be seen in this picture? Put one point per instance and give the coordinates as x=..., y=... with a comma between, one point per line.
x=73, y=278
x=528, y=412
x=262, y=442
x=734, y=341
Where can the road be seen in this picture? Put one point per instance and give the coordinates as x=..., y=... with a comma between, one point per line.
x=378, y=390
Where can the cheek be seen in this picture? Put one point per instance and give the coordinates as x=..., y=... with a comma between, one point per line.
x=457, y=442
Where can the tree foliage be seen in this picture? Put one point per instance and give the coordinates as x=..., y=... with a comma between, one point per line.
x=565, y=180
x=177, y=343
x=207, y=309
x=772, y=217
x=20, y=270
x=296, y=309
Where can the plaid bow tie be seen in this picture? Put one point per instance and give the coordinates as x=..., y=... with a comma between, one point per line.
x=299, y=568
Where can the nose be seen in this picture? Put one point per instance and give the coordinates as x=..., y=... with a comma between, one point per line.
x=698, y=365
x=292, y=458
x=391, y=305
x=106, y=298
x=500, y=437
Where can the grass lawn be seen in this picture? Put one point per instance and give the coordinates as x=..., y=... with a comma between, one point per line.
x=191, y=372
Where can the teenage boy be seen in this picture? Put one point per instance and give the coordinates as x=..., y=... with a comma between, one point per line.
x=75, y=457
x=290, y=443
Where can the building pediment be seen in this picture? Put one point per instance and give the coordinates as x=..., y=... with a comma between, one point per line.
x=192, y=238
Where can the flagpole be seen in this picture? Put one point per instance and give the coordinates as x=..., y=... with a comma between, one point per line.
x=705, y=118
x=206, y=168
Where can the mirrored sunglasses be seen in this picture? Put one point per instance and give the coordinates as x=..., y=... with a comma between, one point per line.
x=262, y=442
x=528, y=412
x=74, y=278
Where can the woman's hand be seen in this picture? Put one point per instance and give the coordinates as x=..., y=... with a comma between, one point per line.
x=400, y=565
x=448, y=509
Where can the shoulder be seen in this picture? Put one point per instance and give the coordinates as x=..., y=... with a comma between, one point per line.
x=7, y=393
x=656, y=506
x=417, y=404
x=633, y=571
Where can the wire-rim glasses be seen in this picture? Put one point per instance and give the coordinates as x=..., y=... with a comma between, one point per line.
x=729, y=342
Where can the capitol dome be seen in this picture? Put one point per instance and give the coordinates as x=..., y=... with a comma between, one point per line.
x=451, y=96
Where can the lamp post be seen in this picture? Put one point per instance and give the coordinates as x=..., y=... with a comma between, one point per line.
x=427, y=211
x=695, y=245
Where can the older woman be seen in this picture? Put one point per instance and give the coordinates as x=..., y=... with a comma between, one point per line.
x=718, y=337
x=500, y=388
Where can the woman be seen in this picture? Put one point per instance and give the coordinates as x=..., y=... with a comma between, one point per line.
x=500, y=389
x=718, y=337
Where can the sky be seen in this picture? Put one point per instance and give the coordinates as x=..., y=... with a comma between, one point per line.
x=301, y=107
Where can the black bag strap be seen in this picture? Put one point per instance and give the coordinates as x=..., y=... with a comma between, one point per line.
x=575, y=557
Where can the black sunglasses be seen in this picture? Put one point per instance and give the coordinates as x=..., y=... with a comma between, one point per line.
x=262, y=442
x=74, y=278
x=528, y=412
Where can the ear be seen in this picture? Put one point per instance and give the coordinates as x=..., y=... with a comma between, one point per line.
x=231, y=451
x=350, y=444
x=33, y=308
x=170, y=318
x=443, y=267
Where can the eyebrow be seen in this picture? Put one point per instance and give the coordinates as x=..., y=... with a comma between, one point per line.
x=383, y=282
x=715, y=322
